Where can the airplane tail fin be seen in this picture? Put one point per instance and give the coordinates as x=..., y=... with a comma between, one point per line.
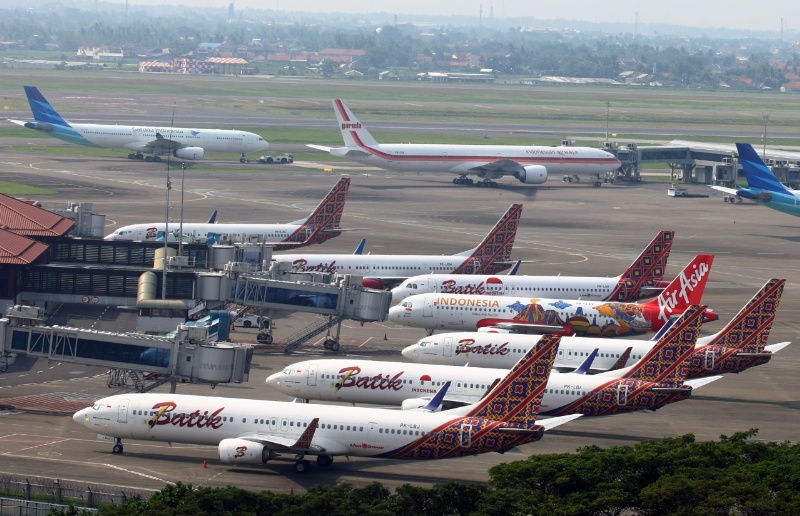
x=665, y=362
x=686, y=289
x=622, y=361
x=493, y=254
x=757, y=173
x=517, y=397
x=749, y=329
x=647, y=270
x=42, y=110
x=304, y=442
x=327, y=215
x=354, y=134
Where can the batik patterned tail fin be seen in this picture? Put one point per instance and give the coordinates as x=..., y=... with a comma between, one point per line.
x=493, y=254
x=327, y=215
x=647, y=270
x=749, y=329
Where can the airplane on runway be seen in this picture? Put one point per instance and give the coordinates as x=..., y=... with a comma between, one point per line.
x=661, y=376
x=248, y=431
x=147, y=142
x=492, y=255
x=528, y=164
x=643, y=278
x=763, y=187
x=326, y=217
x=740, y=345
x=559, y=316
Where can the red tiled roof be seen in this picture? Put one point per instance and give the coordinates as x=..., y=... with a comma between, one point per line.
x=18, y=250
x=25, y=219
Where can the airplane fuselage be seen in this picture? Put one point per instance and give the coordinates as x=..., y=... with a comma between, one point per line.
x=201, y=231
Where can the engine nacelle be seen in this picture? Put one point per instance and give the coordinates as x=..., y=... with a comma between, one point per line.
x=417, y=403
x=372, y=283
x=192, y=153
x=241, y=451
x=532, y=175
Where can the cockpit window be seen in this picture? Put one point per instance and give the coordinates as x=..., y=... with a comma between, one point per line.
x=288, y=370
x=97, y=406
x=423, y=344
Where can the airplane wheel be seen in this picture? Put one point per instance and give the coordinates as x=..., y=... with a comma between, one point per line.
x=156, y=158
x=242, y=160
x=324, y=460
x=139, y=156
x=131, y=156
x=148, y=158
x=117, y=448
x=302, y=467
x=456, y=180
x=469, y=182
x=334, y=346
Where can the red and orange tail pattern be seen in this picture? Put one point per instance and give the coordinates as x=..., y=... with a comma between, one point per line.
x=647, y=270
x=750, y=328
x=517, y=397
x=495, y=247
x=328, y=215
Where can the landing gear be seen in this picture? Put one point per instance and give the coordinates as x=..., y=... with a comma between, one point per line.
x=331, y=344
x=136, y=155
x=117, y=447
x=463, y=180
x=486, y=183
x=242, y=159
x=324, y=460
x=302, y=466
x=153, y=158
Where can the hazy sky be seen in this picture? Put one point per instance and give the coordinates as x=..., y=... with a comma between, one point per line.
x=741, y=14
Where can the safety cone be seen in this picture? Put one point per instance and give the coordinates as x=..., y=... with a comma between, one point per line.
x=205, y=464
x=384, y=337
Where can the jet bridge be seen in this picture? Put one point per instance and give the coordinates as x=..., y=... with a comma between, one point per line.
x=189, y=355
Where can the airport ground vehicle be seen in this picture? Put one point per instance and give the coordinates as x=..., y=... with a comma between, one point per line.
x=283, y=159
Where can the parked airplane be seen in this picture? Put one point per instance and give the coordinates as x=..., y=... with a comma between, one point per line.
x=642, y=279
x=529, y=164
x=250, y=431
x=567, y=317
x=763, y=187
x=326, y=216
x=180, y=142
x=412, y=385
x=740, y=345
x=492, y=255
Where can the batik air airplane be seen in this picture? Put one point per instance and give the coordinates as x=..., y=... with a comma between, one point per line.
x=561, y=316
x=248, y=431
x=644, y=278
x=491, y=256
x=147, y=142
x=529, y=164
x=325, y=218
x=740, y=345
x=763, y=187
x=660, y=376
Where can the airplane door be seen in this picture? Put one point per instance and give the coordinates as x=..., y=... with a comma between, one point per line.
x=427, y=307
x=447, y=348
x=284, y=425
x=273, y=424
x=122, y=412
x=459, y=386
x=466, y=436
x=622, y=394
x=711, y=356
x=570, y=355
x=372, y=432
x=312, y=375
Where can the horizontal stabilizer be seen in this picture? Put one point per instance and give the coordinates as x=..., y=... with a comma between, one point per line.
x=18, y=122
x=553, y=422
x=319, y=147
x=694, y=383
x=527, y=328
x=774, y=348
x=725, y=189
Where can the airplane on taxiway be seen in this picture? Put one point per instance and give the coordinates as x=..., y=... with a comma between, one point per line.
x=740, y=345
x=147, y=142
x=644, y=278
x=248, y=431
x=556, y=315
x=527, y=163
x=763, y=187
x=662, y=374
x=326, y=217
x=492, y=255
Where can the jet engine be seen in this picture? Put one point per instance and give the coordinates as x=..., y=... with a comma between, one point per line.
x=242, y=451
x=532, y=175
x=193, y=153
x=372, y=283
x=39, y=126
x=417, y=403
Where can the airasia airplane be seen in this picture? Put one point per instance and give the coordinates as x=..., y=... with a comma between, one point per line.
x=564, y=317
x=250, y=431
x=529, y=164
x=326, y=217
x=644, y=278
x=740, y=345
x=491, y=256
x=154, y=141
x=412, y=385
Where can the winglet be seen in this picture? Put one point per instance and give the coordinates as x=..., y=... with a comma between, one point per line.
x=587, y=364
x=304, y=442
x=514, y=269
x=213, y=218
x=436, y=401
x=361, y=245
x=493, y=254
x=647, y=270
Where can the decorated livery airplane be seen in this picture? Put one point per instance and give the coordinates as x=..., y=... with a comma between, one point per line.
x=567, y=317
x=644, y=278
x=491, y=256
x=248, y=431
x=740, y=345
x=147, y=142
x=661, y=374
x=326, y=217
x=528, y=164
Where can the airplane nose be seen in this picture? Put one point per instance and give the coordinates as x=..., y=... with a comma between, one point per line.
x=80, y=417
x=408, y=352
x=274, y=380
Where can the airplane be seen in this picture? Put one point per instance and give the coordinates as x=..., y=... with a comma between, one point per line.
x=180, y=142
x=656, y=380
x=492, y=255
x=559, y=316
x=326, y=216
x=763, y=187
x=248, y=431
x=740, y=345
x=528, y=164
x=643, y=278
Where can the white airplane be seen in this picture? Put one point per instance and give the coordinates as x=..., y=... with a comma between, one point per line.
x=180, y=142
x=567, y=317
x=529, y=164
x=250, y=431
x=642, y=279
x=325, y=217
x=658, y=379
x=740, y=345
x=492, y=255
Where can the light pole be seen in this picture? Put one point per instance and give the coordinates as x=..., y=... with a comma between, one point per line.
x=180, y=231
x=765, y=116
x=166, y=241
x=608, y=104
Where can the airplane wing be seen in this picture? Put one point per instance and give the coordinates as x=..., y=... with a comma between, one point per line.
x=525, y=328
x=500, y=167
x=303, y=443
